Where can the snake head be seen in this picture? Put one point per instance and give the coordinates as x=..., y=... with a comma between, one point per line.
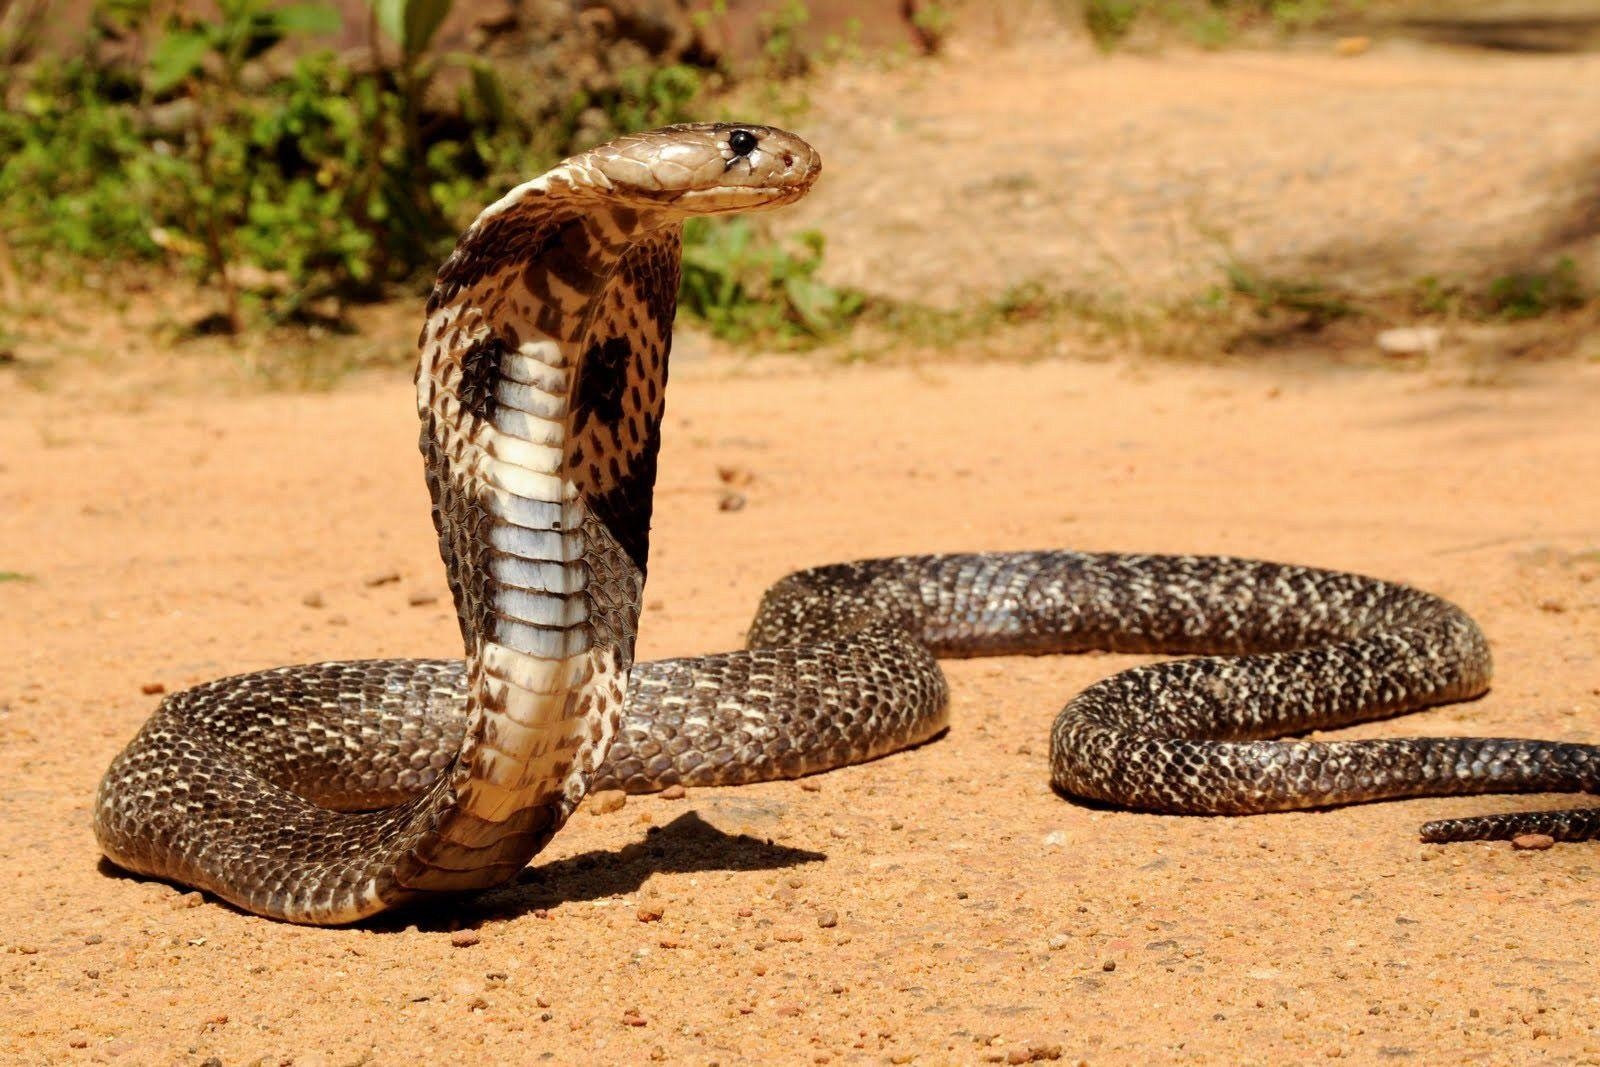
x=705, y=168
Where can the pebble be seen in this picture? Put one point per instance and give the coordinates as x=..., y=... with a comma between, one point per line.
x=744, y=913
x=464, y=938
x=828, y=919
x=839, y=832
x=1409, y=340
x=1058, y=942
x=633, y=1018
x=93, y=939
x=674, y=792
x=650, y=913
x=378, y=578
x=313, y=599
x=150, y=689
x=77, y=1039
x=731, y=501
x=1109, y=965
x=607, y=801
x=1532, y=842
x=422, y=600
x=810, y=785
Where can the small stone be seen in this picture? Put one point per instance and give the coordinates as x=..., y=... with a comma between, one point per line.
x=1409, y=340
x=810, y=785
x=92, y=972
x=77, y=1039
x=1532, y=842
x=839, y=832
x=151, y=689
x=542, y=1000
x=313, y=599
x=93, y=939
x=477, y=1002
x=674, y=792
x=338, y=620
x=744, y=913
x=1109, y=965
x=464, y=938
x=422, y=600
x=1552, y=607
x=191, y=900
x=1058, y=942
x=828, y=919
x=607, y=801
x=650, y=912
x=633, y=1018
x=731, y=501
x=378, y=578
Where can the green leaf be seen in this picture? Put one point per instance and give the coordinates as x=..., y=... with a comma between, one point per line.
x=308, y=18
x=175, y=57
x=412, y=23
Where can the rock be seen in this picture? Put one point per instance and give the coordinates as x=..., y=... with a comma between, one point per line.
x=828, y=919
x=313, y=599
x=464, y=938
x=674, y=792
x=731, y=501
x=1532, y=842
x=378, y=578
x=151, y=689
x=650, y=912
x=607, y=801
x=1410, y=340
x=420, y=600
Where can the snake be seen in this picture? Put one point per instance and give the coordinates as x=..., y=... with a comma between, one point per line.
x=329, y=792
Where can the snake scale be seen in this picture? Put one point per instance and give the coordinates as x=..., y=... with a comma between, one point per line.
x=328, y=792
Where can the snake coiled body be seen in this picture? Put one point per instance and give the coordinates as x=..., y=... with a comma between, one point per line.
x=327, y=792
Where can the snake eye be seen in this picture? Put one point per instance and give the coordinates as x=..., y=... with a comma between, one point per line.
x=743, y=142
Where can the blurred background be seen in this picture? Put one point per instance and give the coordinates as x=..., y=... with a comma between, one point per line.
x=1363, y=179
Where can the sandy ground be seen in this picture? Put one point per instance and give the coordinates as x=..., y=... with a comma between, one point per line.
x=938, y=906
x=978, y=915
x=1140, y=176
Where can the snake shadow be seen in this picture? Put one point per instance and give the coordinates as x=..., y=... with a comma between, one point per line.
x=685, y=845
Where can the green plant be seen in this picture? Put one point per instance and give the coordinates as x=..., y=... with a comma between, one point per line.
x=1529, y=294
x=15, y=576
x=1109, y=21
x=744, y=286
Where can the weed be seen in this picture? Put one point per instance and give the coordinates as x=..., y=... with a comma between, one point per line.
x=1530, y=294
x=1109, y=21
x=1207, y=23
x=15, y=576
x=744, y=286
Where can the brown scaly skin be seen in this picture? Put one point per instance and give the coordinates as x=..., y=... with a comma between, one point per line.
x=327, y=792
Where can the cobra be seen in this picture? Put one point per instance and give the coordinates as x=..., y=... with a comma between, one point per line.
x=325, y=793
